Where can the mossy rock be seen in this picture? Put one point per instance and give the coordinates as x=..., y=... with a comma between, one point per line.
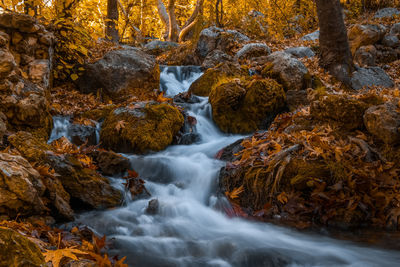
x=98, y=113
x=146, y=127
x=243, y=107
x=18, y=251
x=213, y=77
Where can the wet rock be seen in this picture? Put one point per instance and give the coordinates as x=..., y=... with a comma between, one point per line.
x=366, y=56
x=311, y=36
x=228, y=153
x=362, y=35
x=215, y=76
x=157, y=47
x=111, y=163
x=81, y=134
x=383, y=121
x=245, y=108
x=186, y=97
x=300, y=52
x=81, y=263
x=288, y=70
x=7, y=63
x=372, y=76
x=252, y=50
x=138, y=135
x=120, y=74
x=387, y=12
x=188, y=133
x=391, y=40
x=342, y=109
x=86, y=187
x=214, y=58
x=20, y=187
x=153, y=207
x=39, y=72
x=19, y=251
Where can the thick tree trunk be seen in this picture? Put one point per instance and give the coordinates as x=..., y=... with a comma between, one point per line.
x=112, y=21
x=335, y=51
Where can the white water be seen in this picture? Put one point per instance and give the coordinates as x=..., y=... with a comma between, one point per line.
x=189, y=231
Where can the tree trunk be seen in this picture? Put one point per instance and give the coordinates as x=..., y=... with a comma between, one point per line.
x=112, y=21
x=219, y=13
x=173, y=24
x=335, y=54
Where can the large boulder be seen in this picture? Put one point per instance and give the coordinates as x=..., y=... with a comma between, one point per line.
x=7, y=63
x=215, y=38
x=252, y=50
x=86, y=187
x=215, y=76
x=383, y=121
x=244, y=108
x=18, y=251
x=368, y=77
x=22, y=22
x=388, y=12
x=141, y=127
x=288, y=70
x=110, y=163
x=121, y=74
x=20, y=187
x=300, y=52
x=361, y=35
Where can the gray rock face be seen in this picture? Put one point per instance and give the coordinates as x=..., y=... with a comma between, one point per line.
x=388, y=12
x=390, y=41
x=214, y=58
x=365, y=56
x=80, y=133
x=288, y=69
x=372, y=76
x=215, y=38
x=300, y=52
x=383, y=121
x=252, y=50
x=311, y=36
x=157, y=46
x=208, y=40
x=121, y=72
x=395, y=29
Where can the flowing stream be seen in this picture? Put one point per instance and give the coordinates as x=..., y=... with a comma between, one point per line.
x=188, y=229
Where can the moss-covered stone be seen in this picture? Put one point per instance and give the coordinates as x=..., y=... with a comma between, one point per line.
x=31, y=147
x=98, y=113
x=18, y=251
x=145, y=127
x=222, y=73
x=244, y=108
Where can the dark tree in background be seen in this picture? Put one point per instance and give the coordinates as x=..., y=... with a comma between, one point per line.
x=112, y=21
x=334, y=45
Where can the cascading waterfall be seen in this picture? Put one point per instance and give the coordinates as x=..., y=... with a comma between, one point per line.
x=188, y=231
